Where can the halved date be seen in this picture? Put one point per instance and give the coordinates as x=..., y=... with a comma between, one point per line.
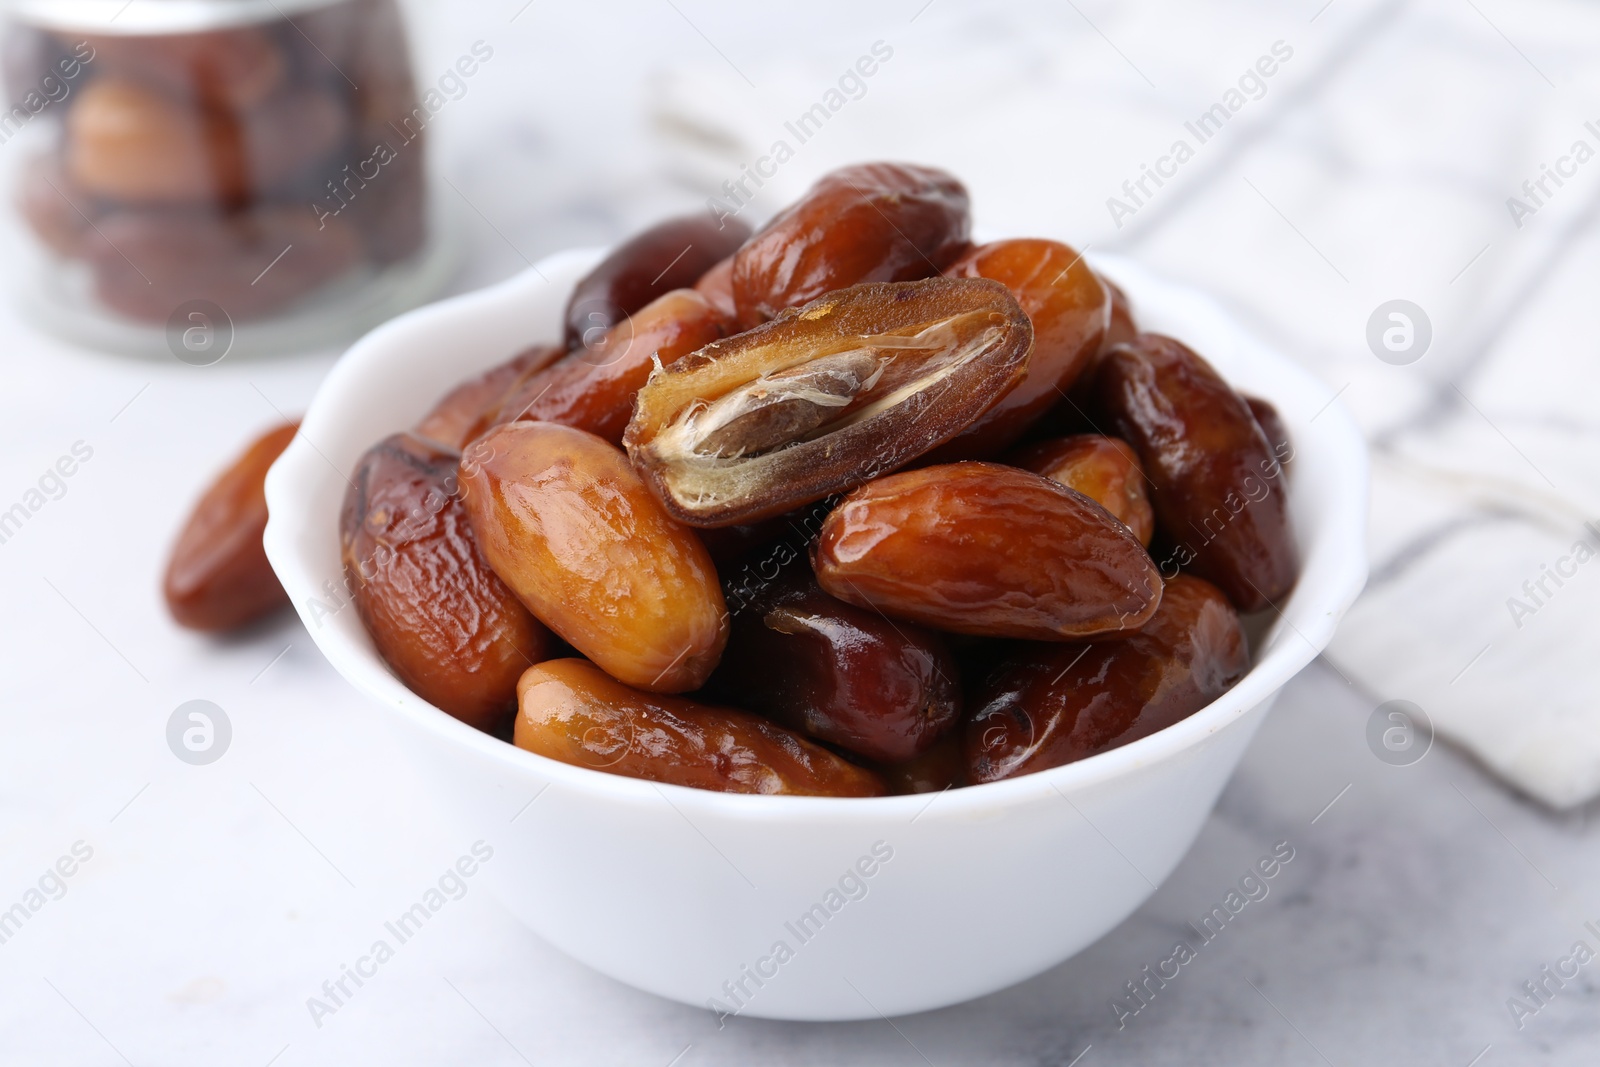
x=568, y=525
x=1104, y=469
x=1214, y=478
x=825, y=397
x=570, y=710
x=980, y=548
x=1070, y=309
x=1053, y=704
x=466, y=410
x=837, y=672
x=218, y=577
x=438, y=615
x=593, y=388
x=874, y=222
x=669, y=255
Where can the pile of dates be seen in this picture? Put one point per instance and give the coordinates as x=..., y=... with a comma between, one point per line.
x=846, y=507
x=248, y=165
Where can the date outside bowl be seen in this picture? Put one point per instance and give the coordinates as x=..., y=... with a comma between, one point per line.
x=812, y=908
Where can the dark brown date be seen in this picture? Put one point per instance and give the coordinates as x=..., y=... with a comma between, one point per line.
x=1104, y=469
x=441, y=619
x=670, y=255
x=1070, y=309
x=843, y=674
x=939, y=767
x=1272, y=426
x=874, y=222
x=570, y=710
x=989, y=550
x=593, y=389
x=825, y=397
x=218, y=577
x=218, y=69
x=1214, y=479
x=1053, y=704
x=466, y=411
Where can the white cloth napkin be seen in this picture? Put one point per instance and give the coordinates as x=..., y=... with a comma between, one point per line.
x=1374, y=162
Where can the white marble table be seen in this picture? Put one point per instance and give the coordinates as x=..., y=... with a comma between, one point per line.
x=215, y=900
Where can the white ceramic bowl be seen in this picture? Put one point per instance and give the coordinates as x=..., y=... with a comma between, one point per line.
x=700, y=896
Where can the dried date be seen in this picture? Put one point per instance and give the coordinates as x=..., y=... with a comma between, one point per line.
x=988, y=550
x=825, y=397
x=570, y=710
x=1104, y=469
x=1054, y=704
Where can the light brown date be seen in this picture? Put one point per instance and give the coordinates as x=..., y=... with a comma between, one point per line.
x=669, y=255
x=1070, y=309
x=1104, y=469
x=839, y=673
x=593, y=389
x=716, y=285
x=874, y=222
x=444, y=622
x=568, y=525
x=825, y=396
x=466, y=411
x=570, y=710
x=989, y=550
x=218, y=577
x=1054, y=704
x=1215, y=482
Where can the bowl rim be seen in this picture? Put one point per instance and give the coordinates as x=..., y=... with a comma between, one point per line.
x=1339, y=556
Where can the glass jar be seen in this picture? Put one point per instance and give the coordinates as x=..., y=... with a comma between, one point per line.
x=196, y=176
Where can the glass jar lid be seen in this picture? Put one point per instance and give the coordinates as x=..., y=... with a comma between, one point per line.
x=134, y=17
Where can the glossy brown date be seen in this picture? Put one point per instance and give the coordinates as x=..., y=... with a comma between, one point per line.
x=989, y=550
x=874, y=222
x=1053, y=704
x=1104, y=469
x=1272, y=426
x=1215, y=483
x=217, y=69
x=450, y=629
x=716, y=285
x=570, y=710
x=1070, y=310
x=670, y=255
x=833, y=671
x=572, y=530
x=467, y=410
x=825, y=396
x=218, y=577
x=593, y=389
x=939, y=767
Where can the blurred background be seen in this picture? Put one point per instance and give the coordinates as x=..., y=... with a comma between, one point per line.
x=1439, y=153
